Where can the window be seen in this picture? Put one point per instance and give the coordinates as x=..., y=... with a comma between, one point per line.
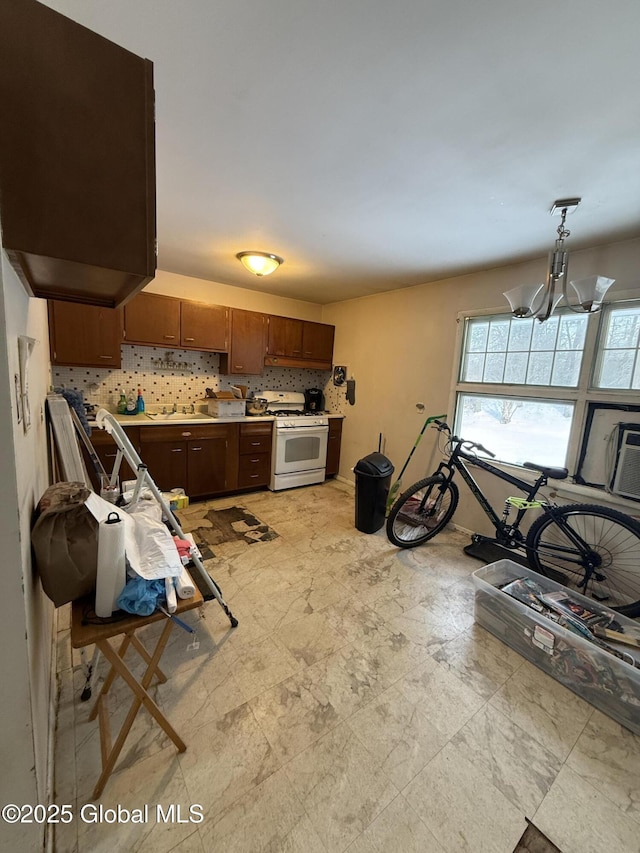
x=523, y=386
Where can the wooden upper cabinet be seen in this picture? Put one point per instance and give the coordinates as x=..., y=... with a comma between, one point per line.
x=152, y=319
x=247, y=343
x=317, y=341
x=77, y=158
x=285, y=337
x=299, y=343
x=204, y=327
x=84, y=334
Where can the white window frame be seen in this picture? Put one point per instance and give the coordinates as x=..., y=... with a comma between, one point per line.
x=580, y=396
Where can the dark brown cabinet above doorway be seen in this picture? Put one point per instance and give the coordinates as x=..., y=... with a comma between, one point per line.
x=77, y=159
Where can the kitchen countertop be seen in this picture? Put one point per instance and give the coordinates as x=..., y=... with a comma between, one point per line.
x=146, y=420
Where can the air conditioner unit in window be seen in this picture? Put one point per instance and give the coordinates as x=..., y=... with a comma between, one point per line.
x=626, y=481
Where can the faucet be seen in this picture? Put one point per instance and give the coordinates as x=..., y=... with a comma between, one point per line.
x=175, y=407
x=192, y=408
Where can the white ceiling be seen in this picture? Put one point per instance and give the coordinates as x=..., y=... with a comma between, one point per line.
x=377, y=145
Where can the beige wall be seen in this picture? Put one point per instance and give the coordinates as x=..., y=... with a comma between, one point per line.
x=26, y=625
x=185, y=287
x=400, y=348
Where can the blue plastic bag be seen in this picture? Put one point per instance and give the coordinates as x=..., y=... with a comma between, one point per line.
x=141, y=596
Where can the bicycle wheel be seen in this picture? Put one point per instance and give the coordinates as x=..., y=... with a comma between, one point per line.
x=421, y=512
x=609, y=571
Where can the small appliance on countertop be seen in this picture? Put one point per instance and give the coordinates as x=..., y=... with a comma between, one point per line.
x=313, y=400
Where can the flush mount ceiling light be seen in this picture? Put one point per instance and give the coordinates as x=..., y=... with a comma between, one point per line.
x=539, y=300
x=260, y=263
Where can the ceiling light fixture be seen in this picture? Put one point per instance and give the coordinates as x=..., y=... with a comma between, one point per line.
x=260, y=263
x=540, y=300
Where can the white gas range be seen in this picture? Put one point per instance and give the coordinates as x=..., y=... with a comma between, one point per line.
x=299, y=448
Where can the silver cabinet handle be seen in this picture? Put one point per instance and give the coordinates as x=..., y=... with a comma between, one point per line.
x=176, y=450
x=255, y=444
x=106, y=356
x=195, y=448
x=238, y=366
x=189, y=339
x=169, y=337
x=185, y=434
x=254, y=460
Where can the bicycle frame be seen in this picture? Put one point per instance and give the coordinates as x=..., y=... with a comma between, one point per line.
x=456, y=462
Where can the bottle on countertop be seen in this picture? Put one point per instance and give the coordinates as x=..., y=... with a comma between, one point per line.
x=132, y=404
x=140, y=402
x=122, y=403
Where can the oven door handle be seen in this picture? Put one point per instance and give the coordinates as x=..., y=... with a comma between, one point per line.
x=293, y=431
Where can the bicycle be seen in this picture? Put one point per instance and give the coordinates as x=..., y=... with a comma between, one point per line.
x=594, y=549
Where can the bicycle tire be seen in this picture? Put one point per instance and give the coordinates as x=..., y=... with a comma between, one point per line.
x=409, y=524
x=614, y=539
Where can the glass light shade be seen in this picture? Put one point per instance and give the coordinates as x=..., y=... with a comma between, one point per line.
x=260, y=263
x=591, y=291
x=521, y=299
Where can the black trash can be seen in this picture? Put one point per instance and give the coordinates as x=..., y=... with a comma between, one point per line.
x=373, y=477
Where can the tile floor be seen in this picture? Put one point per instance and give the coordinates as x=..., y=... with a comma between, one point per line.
x=356, y=707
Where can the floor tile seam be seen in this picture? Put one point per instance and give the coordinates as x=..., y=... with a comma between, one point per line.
x=535, y=736
x=487, y=777
x=585, y=779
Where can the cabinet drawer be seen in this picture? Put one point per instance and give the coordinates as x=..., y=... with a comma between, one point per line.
x=254, y=470
x=184, y=432
x=255, y=444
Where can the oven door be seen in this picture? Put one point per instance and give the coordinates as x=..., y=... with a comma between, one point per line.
x=300, y=449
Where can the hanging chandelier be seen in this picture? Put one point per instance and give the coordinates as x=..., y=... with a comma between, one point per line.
x=540, y=300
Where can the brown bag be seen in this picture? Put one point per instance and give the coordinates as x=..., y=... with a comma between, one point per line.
x=65, y=543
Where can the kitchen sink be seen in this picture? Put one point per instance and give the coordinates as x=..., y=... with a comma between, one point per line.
x=180, y=416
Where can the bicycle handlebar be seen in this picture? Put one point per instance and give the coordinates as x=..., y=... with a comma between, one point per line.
x=442, y=426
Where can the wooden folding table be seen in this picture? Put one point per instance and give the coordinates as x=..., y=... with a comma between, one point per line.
x=84, y=633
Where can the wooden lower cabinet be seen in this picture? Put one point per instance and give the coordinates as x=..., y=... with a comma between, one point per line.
x=203, y=460
x=333, y=447
x=255, y=455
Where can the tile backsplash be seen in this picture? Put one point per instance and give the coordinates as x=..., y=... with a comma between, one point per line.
x=180, y=376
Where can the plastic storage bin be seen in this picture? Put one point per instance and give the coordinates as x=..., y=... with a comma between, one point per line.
x=226, y=408
x=373, y=476
x=603, y=680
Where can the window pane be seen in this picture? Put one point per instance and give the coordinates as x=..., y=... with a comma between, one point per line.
x=545, y=334
x=520, y=336
x=616, y=369
x=517, y=431
x=494, y=367
x=498, y=335
x=473, y=367
x=539, y=372
x=566, y=369
x=572, y=332
x=515, y=370
x=618, y=349
x=477, y=337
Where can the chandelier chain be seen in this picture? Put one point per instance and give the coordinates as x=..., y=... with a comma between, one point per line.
x=562, y=231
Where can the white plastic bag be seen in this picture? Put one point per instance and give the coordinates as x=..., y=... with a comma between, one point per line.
x=157, y=554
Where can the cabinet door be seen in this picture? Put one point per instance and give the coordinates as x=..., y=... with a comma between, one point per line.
x=152, y=319
x=333, y=447
x=84, y=334
x=78, y=189
x=247, y=345
x=212, y=460
x=167, y=463
x=317, y=341
x=285, y=337
x=204, y=327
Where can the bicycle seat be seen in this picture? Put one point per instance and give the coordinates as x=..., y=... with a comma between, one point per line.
x=551, y=473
